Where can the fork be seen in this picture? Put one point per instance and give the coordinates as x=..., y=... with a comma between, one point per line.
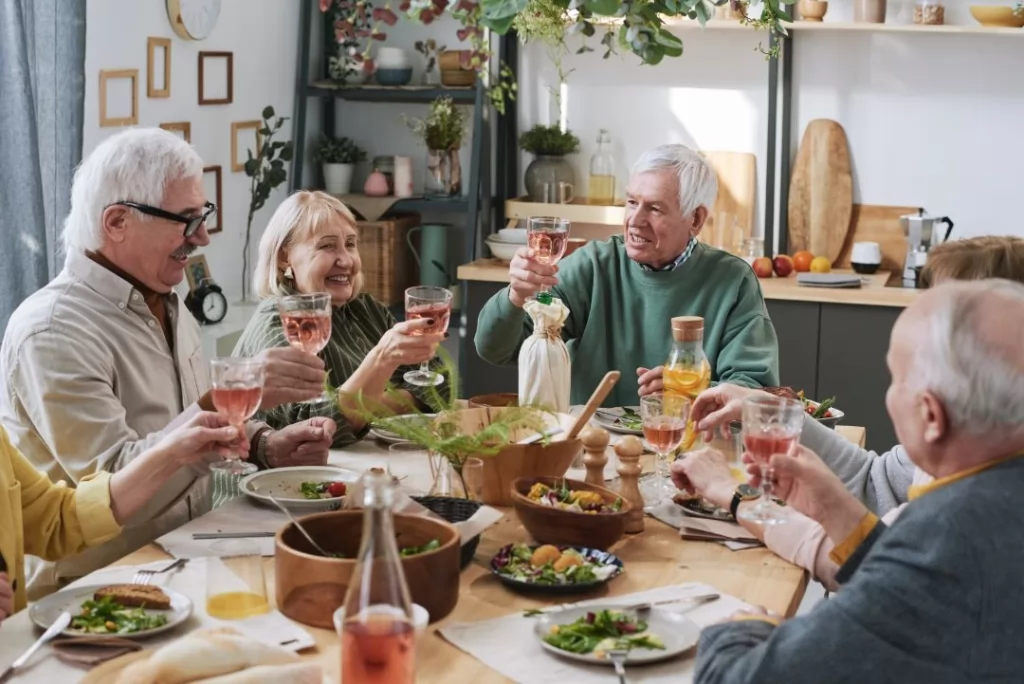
x=144, y=577
x=618, y=657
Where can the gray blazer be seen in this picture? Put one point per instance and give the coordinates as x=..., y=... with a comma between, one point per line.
x=937, y=598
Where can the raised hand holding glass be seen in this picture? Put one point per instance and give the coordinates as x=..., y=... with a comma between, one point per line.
x=431, y=303
x=237, y=389
x=306, y=319
x=771, y=425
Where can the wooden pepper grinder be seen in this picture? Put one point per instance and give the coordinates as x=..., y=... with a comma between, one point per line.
x=628, y=450
x=595, y=442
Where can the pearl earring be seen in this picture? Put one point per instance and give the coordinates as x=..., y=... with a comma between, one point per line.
x=288, y=275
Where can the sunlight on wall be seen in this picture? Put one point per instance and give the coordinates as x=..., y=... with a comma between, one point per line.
x=714, y=119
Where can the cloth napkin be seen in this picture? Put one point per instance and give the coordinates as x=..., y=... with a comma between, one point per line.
x=731, y=535
x=508, y=644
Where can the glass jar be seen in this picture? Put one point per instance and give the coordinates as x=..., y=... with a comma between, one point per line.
x=929, y=12
x=687, y=372
x=753, y=248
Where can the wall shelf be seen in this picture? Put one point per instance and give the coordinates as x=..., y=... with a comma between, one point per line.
x=377, y=93
x=904, y=28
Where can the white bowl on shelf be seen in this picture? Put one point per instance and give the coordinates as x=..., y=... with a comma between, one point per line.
x=502, y=250
x=391, y=58
x=516, y=235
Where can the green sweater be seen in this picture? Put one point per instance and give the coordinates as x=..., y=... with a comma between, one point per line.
x=619, y=319
x=356, y=328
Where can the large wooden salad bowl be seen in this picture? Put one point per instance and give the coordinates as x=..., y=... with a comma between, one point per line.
x=551, y=525
x=311, y=587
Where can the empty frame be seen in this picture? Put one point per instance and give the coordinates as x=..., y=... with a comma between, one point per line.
x=216, y=78
x=182, y=127
x=212, y=186
x=125, y=99
x=158, y=49
x=238, y=163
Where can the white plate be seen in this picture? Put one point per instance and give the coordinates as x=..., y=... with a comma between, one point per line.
x=388, y=436
x=678, y=633
x=602, y=418
x=285, y=485
x=45, y=611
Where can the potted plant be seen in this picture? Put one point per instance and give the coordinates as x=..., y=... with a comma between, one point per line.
x=339, y=157
x=442, y=132
x=430, y=50
x=549, y=169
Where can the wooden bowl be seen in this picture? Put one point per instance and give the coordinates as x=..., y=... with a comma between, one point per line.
x=496, y=400
x=549, y=525
x=520, y=460
x=997, y=15
x=451, y=60
x=458, y=77
x=310, y=587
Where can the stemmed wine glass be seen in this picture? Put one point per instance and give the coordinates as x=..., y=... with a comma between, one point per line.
x=771, y=425
x=306, y=319
x=237, y=392
x=664, y=419
x=548, y=237
x=427, y=302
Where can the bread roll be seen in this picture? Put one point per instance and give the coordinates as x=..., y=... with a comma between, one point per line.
x=202, y=656
x=295, y=673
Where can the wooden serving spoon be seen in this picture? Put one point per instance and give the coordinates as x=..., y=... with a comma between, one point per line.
x=610, y=378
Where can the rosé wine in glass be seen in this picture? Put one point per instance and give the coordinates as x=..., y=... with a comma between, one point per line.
x=427, y=302
x=237, y=390
x=664, y=419
x=306, y=320
x=548, y=237
x=771, y=425
x=441, y=313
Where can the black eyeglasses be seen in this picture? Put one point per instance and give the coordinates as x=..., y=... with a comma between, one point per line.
x=192, y=223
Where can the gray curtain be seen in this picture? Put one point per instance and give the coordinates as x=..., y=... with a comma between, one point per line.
x=42, y=91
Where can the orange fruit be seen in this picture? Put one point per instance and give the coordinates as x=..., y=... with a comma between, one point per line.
x=821, y=265
x=802, y=261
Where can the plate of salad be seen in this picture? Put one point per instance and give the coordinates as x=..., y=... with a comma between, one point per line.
x=587, y=634
x=118, y=610
x=554, y=569
x=625, y=420
x=305, y=489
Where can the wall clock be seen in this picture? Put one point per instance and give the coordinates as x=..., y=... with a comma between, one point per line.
x=193, y=19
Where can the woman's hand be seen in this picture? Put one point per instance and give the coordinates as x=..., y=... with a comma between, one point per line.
x=407, y=344
x=716, y=407
x=705, y=472
x=6, y=597
x=205, y=437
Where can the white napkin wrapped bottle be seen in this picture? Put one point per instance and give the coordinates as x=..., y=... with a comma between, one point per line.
x=544, y=366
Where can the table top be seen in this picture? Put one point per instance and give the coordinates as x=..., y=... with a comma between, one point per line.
x=657, y=557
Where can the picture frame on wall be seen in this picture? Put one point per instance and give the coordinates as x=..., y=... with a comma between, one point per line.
x=196, y=271
x=158, y=46
x=212, y=187
x=108, y=75
x=216, y=78
x=239, y=146
x=183, y=128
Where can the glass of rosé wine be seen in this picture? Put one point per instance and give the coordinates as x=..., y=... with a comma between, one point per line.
x=664, y=419
x=771, y=425
x=433, y=303
x=306, y=320
x=548, y=237
x=237, y=392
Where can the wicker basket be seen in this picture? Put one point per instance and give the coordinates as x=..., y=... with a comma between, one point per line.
x=454, y=510
x=458, y=77
x=388, y=266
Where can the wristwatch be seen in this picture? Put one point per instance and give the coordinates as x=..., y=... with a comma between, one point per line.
x=743, y=493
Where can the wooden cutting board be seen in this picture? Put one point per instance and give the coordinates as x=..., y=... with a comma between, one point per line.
x=881, y=224
x=821, y=191
x=737, y=196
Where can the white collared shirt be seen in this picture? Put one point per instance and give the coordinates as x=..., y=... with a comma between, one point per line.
x=91, y=384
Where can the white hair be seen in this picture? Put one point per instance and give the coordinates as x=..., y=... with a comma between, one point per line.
x=134, y=165
x=698, y=183
x=980, y=388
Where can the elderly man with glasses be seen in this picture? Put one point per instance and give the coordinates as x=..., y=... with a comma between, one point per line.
x=104, y=361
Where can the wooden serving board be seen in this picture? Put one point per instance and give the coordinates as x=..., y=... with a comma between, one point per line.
x=821, y=191
x=737, y=197
x=881, y=224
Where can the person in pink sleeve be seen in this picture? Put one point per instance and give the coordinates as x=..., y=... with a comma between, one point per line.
x=880, y=481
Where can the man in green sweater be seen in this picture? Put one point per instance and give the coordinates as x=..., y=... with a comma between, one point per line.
x=622, y=293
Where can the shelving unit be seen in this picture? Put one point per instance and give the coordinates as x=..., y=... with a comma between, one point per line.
x=904, y=28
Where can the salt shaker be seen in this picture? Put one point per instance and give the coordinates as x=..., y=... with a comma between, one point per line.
x=628, y=450
x=595, y=442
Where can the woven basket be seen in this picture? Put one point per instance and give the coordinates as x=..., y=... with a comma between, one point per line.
x=388, y=265
x=454, y=510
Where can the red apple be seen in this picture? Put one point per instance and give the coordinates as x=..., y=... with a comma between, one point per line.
x=783, y=264
x=763, y=267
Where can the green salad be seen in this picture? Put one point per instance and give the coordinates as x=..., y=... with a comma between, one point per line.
x=322, y=490
x=603, y=631
x=549, y=565
x=106, y=616
x=631, y=419
x=407, y=551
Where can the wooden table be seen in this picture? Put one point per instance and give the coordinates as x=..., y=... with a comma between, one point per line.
x=655, y=558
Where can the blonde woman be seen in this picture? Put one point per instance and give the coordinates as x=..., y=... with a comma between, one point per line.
x=311, y=245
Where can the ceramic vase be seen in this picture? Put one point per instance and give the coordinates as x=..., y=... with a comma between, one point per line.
x=338, y=178
x=547, y=171
x=869, y=11
x=444, y=173
x=376, y=185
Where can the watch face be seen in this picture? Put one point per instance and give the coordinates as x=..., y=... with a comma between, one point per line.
x=748, y=492
x=215, y=306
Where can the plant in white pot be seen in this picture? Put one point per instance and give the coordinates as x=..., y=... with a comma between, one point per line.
x=339, y=157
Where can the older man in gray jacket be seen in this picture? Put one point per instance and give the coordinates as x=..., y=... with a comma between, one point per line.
x=937, y=597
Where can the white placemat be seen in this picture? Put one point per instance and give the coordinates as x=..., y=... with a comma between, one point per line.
x=237, y=515
x=508, y=644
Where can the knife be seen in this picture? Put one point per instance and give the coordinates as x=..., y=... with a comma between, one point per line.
x=203, y=536
x=56, y=628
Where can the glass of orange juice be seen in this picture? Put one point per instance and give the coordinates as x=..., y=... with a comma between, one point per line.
x=235, y=585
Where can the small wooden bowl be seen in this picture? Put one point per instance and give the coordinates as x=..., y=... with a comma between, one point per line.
x=496, y=400
x=451, y=60
x=310, y=587
x=549, y=525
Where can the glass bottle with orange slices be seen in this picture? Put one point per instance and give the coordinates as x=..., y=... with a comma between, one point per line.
x=687, y=372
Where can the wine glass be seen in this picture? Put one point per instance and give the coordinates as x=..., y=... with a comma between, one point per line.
x=306, y=319
x=237, y=392
x=771, y=425
x=548, y=236
x=427, y=302
x=664, y=419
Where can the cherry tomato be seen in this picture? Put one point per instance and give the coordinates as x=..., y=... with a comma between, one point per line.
x=336, y=489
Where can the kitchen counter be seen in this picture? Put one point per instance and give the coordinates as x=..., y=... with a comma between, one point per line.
x=874, y=292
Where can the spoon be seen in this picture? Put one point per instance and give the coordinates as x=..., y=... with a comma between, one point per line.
x=299, y=526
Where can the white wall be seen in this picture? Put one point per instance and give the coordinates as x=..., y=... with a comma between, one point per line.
x=262, y=34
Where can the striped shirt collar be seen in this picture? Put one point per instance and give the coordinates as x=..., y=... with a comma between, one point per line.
x=681, y=259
